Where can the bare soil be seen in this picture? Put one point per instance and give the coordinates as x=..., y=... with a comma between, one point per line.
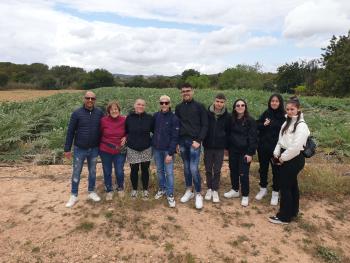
x=35, y=226
x=23, y=95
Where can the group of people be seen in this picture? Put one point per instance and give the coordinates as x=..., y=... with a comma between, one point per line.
x=278, y=136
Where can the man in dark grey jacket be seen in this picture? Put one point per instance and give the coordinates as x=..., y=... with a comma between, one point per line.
x=214, y=145
x=84, y=130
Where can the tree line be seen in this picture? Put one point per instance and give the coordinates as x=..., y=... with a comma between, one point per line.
x=327, y=76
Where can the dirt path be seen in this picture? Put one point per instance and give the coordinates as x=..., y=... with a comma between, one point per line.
x=35, y=226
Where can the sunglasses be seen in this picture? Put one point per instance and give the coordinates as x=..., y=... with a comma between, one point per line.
x=164, y=102
x=90, y=98
x=240, y=105
x=186, y=91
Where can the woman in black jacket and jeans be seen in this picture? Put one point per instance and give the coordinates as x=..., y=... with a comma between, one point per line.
x=242, y=146
x=269, y=126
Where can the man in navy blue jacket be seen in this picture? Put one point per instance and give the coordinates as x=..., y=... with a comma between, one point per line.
x=84, y=130
x=164, y=141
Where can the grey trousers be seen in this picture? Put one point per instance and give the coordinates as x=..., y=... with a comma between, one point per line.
x=213, y=159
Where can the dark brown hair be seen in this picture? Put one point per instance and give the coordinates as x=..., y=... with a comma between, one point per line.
x=234, y=112
x=295, y=101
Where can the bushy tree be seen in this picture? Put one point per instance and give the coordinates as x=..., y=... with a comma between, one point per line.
x=3, y=79
x=241, y=77
x=289, y=76
x=199, y=82
x=98, y=78
x=336, y=62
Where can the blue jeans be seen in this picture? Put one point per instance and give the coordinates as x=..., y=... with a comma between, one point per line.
x=165, y=172
x=118, y=161
x=191, y=158
x=79, y=157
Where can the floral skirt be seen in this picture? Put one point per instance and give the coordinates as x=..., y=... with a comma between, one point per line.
x=133, y=156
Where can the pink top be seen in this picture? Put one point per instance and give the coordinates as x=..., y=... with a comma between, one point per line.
x=112, y=131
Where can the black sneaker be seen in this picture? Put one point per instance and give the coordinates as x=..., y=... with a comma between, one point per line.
x=276, y=220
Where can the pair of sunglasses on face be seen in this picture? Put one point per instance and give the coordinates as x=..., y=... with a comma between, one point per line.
x=164, y=102
x=90, y=98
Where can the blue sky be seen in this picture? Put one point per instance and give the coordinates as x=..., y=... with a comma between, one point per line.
x=167, y=37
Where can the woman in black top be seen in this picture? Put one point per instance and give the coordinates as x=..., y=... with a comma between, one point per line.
x=269, y=125
x=138, y=127
x=242, y=144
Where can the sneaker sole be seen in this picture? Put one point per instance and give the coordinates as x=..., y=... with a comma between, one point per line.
x=186, y=200
x=278, y=222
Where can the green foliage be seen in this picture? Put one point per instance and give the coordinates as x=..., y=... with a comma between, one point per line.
x=38, y=129
x=3, y=79
x=39, y=75
x=327, y=254
x=98, y=78
x=241, y=77
x=336, y=59
x=199, y=82
x=289, y=77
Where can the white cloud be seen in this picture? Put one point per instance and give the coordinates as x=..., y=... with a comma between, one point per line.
x=314, y=22
x=39, y=33
x=35, y=31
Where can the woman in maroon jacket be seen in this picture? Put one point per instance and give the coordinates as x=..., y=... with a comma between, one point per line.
x=112, y=148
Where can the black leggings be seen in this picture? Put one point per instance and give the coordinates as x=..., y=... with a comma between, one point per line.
x=289, y=189
x=134, y=175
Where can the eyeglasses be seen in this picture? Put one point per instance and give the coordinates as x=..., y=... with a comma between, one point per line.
x=186, y=91
x=240, y=105
x=90, y=98
x=164, y=102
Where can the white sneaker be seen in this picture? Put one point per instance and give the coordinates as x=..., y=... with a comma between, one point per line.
x=232, y=193
x=274, y=198
x=121, y=193
x=208, y=195
x=159, y=194
x=109, y=196
x=133, y=194
x=145, y=194
x=245, y=201
x=187, y=196
x=261, y=194
x=72, y=200
x=94, y=197
x=216, y=198
x=171, y=201
x=199, y=201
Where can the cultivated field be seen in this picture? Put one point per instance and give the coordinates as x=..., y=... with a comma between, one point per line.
x=35, y=226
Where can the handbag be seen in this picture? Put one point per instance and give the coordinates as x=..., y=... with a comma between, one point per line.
x=310, y=147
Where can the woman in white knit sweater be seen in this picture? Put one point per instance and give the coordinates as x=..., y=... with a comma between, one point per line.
x=290, y=161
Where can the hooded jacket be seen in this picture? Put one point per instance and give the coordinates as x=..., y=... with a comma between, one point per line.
x=268, y=135
x=218, y=129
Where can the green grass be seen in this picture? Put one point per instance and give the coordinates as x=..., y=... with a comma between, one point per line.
x=327, y=254
x=35, y=131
